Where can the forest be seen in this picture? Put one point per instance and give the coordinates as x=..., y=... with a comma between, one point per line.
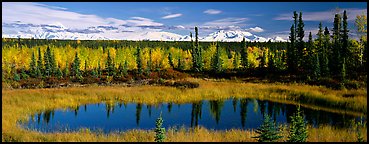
x=331, y=59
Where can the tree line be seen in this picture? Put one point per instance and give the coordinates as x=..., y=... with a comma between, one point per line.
x=329, y=55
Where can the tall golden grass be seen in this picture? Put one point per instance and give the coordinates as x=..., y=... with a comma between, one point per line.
x=19, y=104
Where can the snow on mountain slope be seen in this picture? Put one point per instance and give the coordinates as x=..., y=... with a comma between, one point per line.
x=58, y=31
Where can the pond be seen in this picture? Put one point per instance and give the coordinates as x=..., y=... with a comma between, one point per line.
x=213, y=114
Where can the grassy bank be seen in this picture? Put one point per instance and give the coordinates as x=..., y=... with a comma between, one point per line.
x=18, y=104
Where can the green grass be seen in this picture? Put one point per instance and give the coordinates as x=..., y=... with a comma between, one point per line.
x=20, y=103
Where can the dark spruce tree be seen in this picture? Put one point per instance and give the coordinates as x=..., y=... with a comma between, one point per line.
x=300, y=42
x=244, y=55
x=75, y=67
x=335, y=63
x=47, y=62
x=216, y=64
x=170, y=59
x=308, y=58
x=271, y=63
x=197, y=54
x=291, y=52
x=53, y=66
x=159, y=131
x=39, y=61
x=344, y=49
x=325, y=53
x=109, y=66
x=33, y=66
x=268, y=131
x=298, y=128
x=139, y=61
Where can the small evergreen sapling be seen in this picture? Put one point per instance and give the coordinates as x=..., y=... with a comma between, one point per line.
x=298, y=131
x=159, y=131
x=268, y=131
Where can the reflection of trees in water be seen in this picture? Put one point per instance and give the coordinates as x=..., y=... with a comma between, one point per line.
x=138, y=113
x=76, y=111
x=262, y=105
x=46, y=116
x=38, y=118
x=85, y=108
x=216, y=108
x=149, y=109
x=196, y=113
x=170, y=106
x=109, y=107
x=234, y=103
x=274, y=109
x=255, y=102
x=243, y=113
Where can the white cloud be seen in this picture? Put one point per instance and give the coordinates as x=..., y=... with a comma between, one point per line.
x=323, y=15
x=212, y=11
x=171, y=16
x=256, y=29
x=226, y=22
x=140, y=21
x=38, y=14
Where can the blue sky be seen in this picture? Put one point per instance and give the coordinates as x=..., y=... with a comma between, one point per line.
x=266, y=19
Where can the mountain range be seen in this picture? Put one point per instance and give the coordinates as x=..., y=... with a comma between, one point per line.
x=114, y=33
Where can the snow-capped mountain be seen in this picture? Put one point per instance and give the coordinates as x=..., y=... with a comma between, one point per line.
x=227, y=36
x=58, y=31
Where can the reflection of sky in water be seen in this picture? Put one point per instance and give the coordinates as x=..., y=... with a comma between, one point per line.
x=219, y=115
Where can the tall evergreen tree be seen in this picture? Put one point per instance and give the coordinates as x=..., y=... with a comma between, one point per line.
x=325, y=53
x=235, y=60
x=180, y=64
x=53, y=66
x=149, y=63
x=109, y=67
x=197, y=54
x=139, y=60
x=343, y=70
x=300, y=43
x=33, y=66
x=320, y=38
x=309, y=57
x=344, y=50
x=47, y=62
x=291, y=53
x=75, y=66
x=271, y=63
x=170, y=59
x=39, y=61
x=335, y=63
x=316, y=67
x=244, y=55
x=216, y=61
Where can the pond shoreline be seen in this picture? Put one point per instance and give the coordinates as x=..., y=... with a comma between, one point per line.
x=26, y=101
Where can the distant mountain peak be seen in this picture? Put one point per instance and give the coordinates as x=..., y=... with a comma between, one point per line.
x=59, y=31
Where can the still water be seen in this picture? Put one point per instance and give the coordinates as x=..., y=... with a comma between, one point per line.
x=213, y=114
